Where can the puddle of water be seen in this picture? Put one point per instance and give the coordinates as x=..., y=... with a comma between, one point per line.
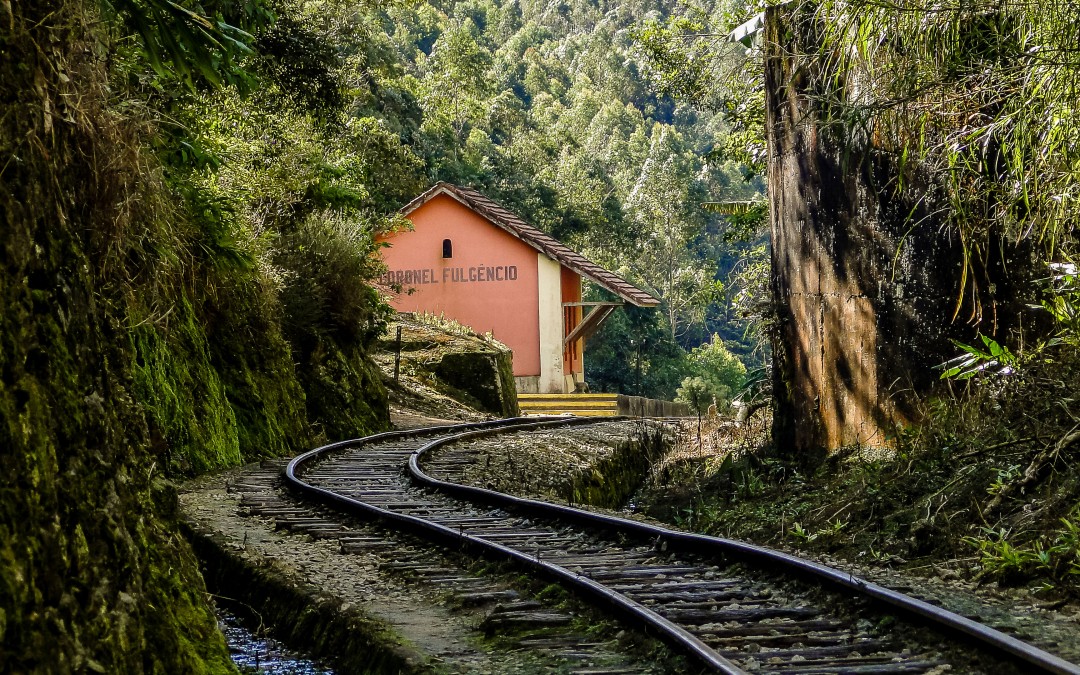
x=255, y=654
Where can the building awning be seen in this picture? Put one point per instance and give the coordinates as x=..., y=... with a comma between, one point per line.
x=499, y=216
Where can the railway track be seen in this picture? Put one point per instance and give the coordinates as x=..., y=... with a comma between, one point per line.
x=682, y=588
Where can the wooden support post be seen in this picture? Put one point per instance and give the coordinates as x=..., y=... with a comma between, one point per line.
x=397, y=355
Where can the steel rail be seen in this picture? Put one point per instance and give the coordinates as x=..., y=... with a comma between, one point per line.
x=632, y=612
x=771, y=559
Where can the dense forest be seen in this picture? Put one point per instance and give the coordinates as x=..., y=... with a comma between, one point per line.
x=546, y=108
x=550, y=110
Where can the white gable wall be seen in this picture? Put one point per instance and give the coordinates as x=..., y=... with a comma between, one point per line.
x=551, y=326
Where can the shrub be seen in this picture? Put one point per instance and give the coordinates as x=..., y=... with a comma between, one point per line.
x=327, y=261
x=716, y=374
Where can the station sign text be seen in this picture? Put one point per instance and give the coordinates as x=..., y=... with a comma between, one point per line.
x=451, y=275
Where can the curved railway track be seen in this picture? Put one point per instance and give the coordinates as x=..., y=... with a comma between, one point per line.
x=676, y=586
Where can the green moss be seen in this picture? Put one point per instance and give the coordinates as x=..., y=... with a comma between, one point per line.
x=483, y=379
x=126, y=354
x=553, y=593
x=92, y=575
x=256, y=366
x=218, y=381
x=345, y=393
x=611, y=481
x=191, y=419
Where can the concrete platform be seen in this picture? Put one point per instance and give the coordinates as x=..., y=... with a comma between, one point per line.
x=599, y=405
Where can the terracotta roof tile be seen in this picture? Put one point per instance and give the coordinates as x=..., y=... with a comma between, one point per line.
x=541, y=241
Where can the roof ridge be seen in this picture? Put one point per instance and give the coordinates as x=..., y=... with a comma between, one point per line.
x=537, y=239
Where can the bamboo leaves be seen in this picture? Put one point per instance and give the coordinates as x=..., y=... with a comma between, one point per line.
x=991, y=358
x=983, y=95
x=193, y=45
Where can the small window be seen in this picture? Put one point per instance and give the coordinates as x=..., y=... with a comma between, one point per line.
x=447, y=248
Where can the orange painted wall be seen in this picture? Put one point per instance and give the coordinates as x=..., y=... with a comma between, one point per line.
x=571, y=292
x=505, y=304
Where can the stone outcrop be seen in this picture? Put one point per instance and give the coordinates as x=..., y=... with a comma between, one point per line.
x=450, y=360
x=486, y=376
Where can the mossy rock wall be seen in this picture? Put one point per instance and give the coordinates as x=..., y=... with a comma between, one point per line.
x=127, y=355
x=345, y=393
x=486, y=377
x=192, y=425
x=93, y=574
x=251, y=356
x=612, y=481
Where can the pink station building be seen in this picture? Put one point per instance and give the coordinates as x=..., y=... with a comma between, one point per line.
x=471, y=260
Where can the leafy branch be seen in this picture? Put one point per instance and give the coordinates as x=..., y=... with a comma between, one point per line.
x=198, y=44
x=995, y=358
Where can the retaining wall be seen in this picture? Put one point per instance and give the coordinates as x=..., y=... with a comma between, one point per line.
x=637, y=406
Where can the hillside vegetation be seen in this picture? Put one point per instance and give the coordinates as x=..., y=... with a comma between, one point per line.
x=547, y=108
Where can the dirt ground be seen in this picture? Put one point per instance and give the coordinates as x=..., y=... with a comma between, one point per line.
x=423, y=622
